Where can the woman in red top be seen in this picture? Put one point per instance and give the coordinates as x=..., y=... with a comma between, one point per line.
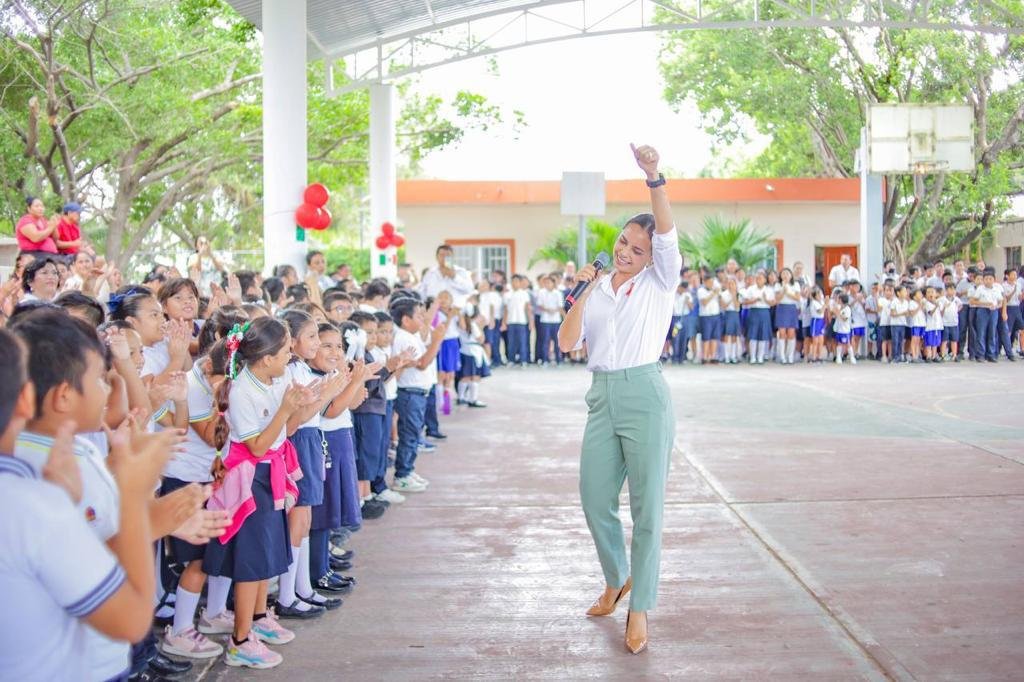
x=34, y=232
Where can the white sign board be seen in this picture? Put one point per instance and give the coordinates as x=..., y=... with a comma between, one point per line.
x=583, y=193
x=908, y=138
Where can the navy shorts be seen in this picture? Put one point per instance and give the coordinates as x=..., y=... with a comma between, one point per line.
x=449, y=359
x=951, y=334
x=817, y=326
x=917, y=331
x=932, y=338
x=858, y=331
x=841, y=337
x=884, y=332
x=711, y=327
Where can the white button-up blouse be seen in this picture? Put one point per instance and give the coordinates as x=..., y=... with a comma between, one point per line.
x=627, y=328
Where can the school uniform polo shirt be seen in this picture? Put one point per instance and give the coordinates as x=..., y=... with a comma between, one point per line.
x=989, y=296
x=45, y=594
x=412, y=376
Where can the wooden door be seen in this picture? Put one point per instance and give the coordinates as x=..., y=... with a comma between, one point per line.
x=830, y=256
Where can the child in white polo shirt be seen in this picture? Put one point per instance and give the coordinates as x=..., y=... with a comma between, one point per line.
x=950, y=306
x=413, y=388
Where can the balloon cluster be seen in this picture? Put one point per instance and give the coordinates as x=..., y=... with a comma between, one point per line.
x=312, y=214
x=388, y=237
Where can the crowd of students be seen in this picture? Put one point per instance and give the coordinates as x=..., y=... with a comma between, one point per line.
x=274, y=417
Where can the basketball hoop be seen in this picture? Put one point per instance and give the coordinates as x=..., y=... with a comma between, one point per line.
x=928, y=167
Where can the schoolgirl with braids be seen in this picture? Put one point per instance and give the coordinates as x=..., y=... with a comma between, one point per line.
x=195, y=463
x=258, y=407
x=296, y=596
x=219, y=324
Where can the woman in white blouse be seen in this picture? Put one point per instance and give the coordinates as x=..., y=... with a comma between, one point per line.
x=623, y=317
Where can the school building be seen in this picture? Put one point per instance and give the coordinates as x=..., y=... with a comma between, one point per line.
x=500, y=224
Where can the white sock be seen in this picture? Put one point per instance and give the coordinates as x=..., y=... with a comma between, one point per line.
x=752, y=351
x=464, y=391
x=759, y=350
x=303, y=586
x=790, y=350
x=217, y=588
x=474, y=388
x=184, y=609
x=286, y=585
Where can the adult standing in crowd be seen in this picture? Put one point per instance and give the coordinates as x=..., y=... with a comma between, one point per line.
x=446, y=276
x=34, y=232
x=624, y=318
x=843, y=272
x=203, y=266
x=41, y=281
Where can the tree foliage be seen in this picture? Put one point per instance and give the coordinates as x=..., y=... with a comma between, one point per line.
x=808, y=89
x=561, y=246
x=721, y=240
x=149, y=113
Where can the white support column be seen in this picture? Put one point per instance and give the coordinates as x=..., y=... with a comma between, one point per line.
x=383, y=178
x=871, y=243
x=284, y=130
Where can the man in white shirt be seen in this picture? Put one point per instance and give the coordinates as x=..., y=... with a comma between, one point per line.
x=446, y=276
x=842, y=272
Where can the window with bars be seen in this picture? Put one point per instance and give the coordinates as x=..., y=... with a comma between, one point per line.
x=482, y=259
x=1013, y=257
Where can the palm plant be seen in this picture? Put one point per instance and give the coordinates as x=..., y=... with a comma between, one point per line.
x=721, y=240
x=561, y=246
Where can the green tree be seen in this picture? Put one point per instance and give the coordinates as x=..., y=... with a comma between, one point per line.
x=149, y=113
x=809, y=89
x=561, y=246
x=721, y=240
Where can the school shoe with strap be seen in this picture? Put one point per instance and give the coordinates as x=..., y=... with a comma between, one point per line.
x=408, y=484
x=220, y=624
x=295, y=610
x=252, y=653
x=189, y=644
x=268, y=629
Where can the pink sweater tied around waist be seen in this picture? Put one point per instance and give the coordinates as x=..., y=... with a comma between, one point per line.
x=234, y=494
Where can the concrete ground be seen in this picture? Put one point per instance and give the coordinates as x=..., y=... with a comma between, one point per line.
x=822, y=523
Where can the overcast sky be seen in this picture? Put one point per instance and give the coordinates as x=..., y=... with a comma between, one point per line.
x=584, y=101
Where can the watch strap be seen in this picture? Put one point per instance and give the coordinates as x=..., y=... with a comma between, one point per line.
x=656, y=183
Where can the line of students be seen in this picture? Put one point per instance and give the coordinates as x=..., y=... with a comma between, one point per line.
x=283, y=421
x=898, y=320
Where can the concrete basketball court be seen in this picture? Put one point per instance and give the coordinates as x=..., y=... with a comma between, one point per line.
x=822, y=523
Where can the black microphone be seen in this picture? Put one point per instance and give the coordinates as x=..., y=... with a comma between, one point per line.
x=600, y=263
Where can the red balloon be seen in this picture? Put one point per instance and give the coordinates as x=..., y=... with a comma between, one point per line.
x=397, y=240
x=383, y=243
x=387, y=229
x=316, y=194
x=306, y=215
x=323, y=219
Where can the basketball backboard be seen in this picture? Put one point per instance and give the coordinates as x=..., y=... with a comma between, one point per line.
x=920, y=138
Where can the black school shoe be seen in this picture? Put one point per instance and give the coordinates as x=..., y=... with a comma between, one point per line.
x=292, y=611
x=437, y=436
x=331, y=584
x=148, y=675
x=342, y=554
x=340, y=564
x=329, y=603
x=374, y=509
x=162, y=665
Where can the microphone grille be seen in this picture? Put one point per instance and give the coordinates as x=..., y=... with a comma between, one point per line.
x=602, y=261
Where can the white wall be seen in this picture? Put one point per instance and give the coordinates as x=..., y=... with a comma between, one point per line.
x=801, y=226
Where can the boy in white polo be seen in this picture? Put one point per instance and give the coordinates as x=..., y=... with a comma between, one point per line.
x=413, y=387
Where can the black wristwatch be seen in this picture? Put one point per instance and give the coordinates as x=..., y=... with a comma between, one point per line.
x=656, y=183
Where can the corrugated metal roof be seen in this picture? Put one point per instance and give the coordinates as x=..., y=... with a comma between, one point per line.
x=335, y=26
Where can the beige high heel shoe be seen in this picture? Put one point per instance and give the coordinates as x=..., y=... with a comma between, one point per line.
x=635, y=645
x=599, y=609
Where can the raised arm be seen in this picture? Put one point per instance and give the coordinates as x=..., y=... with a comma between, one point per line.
x=667, y=259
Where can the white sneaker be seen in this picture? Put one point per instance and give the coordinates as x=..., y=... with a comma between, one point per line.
x=221, y=624
x=407, y=485
x=389, y=495
x=839, y=359
x=189, y=644
x=419, y=479
x=853, y=359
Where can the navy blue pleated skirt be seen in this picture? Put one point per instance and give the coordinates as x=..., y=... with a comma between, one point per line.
x=732, y=323
x=786, y=316
x=181, y=551
x=308, y=442
x=261, y=548
x=759, y=325
x=340, y=507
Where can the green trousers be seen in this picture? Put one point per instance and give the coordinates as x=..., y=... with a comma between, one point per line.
x=630, y=432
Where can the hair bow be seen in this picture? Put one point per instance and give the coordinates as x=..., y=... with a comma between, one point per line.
x=114, y=303
x=233, y=341
x=355, y=343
